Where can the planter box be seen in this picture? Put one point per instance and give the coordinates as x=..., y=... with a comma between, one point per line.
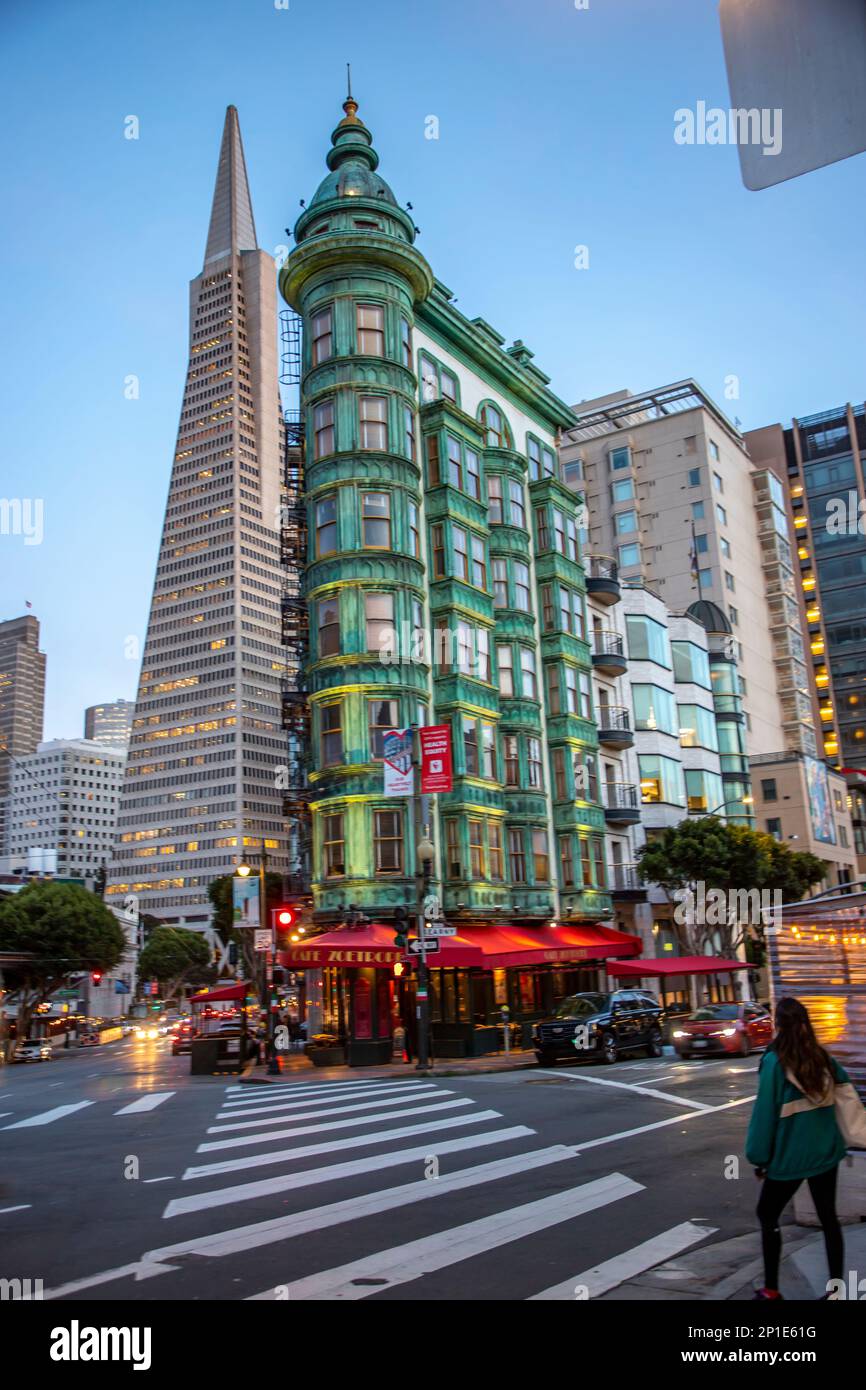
x=373, y=1053
x=850, y=1194
x=327, y=1056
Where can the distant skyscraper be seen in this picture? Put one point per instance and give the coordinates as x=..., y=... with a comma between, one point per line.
x=822, y=458
x=206, y=749
x=111, y=723
x=22, y=700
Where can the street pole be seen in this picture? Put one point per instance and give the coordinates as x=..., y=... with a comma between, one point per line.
x=425, y=852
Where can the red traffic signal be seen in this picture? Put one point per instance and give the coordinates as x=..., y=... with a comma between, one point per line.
x=283, y=918
x=96, y=976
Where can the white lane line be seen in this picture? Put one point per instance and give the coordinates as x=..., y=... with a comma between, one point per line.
x=668, y=1076
x=356, y=1141
x=165, y=1179
x=321, y=1098
x=233, y=1242
x=47, y=1117
x=150, y=1102
x=242, y=1140
x=627, y=1086
x=25, y=1207
x=610, y=1273
x=335, y=1110
x=268, y=1187
x=4, y=1113
x=404, y=1263
x=662, y=1124
x=105, y=1277
x=266, y=1105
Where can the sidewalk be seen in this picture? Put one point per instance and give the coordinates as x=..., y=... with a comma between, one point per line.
x=733, y=1269
x=297, y=1067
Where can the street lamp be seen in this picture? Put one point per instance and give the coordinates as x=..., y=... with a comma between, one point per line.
x=737, y=801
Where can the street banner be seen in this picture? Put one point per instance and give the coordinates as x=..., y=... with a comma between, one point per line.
x=399, y=775
x=262, y=939
x=436, y=766
x=245, y=901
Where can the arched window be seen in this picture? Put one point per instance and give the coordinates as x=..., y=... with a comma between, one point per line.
x=497, y=435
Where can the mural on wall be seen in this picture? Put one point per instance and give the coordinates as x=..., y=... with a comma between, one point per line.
x=820, y=804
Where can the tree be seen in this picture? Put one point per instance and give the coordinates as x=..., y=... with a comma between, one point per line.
x=65, y=931
x=731, y=860
x=220, y=893
x=172, y=956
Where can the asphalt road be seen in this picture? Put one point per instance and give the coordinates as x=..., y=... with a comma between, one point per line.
x=121, y=1177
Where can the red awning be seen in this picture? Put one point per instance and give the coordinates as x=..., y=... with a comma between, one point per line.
x=371, y=945
x=678, y=965
x=546, y=945
x=485, y=948
x=216, y=996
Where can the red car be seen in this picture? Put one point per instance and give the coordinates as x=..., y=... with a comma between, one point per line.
x=736, y=1028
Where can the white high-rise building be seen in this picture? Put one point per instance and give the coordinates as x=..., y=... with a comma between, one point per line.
x=203, y=781
x=65, y=797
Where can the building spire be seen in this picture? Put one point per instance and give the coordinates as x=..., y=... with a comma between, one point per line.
x=232, y=227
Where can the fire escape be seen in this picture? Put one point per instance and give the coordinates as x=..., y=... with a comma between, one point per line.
x=295, y=622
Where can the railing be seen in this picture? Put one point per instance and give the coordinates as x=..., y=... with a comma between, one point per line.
x=608, y=643
x=614, y=717
x=623, y=877
x=602, y=567
x=621, y=796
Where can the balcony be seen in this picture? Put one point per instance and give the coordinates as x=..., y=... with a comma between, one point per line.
x=608, y=653
x=624, y=883
x=614, y=726
x=621, y=803
x=602, y=579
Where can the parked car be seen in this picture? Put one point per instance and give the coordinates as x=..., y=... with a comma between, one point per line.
x=625, y=1020
x=182, y=1039
x=34, y=1050
x=737, y=1028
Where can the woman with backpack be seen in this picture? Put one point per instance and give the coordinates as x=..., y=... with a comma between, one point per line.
x=806, y=1114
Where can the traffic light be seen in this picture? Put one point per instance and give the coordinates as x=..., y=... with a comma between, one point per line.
x=96, y=977
x=401, y=927
x=284, y=918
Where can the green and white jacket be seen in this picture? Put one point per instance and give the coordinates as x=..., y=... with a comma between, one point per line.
x=792, y=1135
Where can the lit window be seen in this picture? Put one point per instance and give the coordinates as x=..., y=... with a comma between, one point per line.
x=379, y=619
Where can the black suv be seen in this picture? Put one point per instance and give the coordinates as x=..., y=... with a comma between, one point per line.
x=599, y=1027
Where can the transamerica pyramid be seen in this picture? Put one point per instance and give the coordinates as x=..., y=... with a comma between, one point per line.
x=202, y=781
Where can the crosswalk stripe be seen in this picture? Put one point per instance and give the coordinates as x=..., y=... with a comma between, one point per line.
x=270, y=1119
x=242, y=1140
x=603, y=1277
x=264, y=1103
x=309, y=1087
x=357, y=1141
x=234, y=1242
x=269, y=1187
x=404, y=1263
x=138, y=1107
x=48, y=1117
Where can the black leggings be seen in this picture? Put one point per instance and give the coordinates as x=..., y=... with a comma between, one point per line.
x=775, y=1196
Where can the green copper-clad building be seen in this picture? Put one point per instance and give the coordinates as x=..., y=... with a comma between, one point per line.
x=445, y=586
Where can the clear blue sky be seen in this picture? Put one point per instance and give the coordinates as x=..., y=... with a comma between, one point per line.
x=556, y=129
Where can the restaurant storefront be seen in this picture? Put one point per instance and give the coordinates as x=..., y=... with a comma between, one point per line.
x=482, y=980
